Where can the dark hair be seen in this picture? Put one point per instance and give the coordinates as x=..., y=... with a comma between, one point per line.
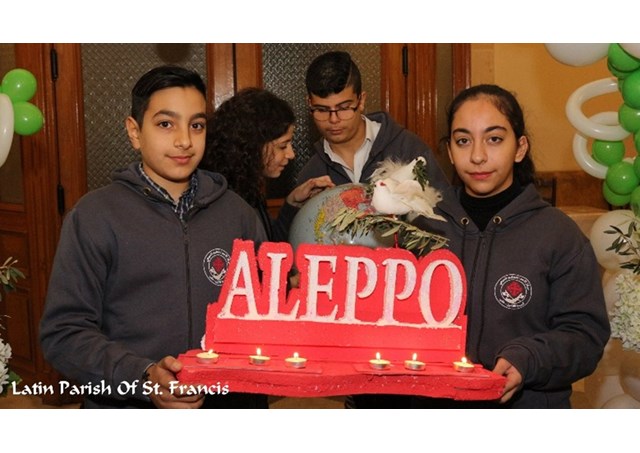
x=332, y=72
x=236, y=134
x=507, y=104
x=158, y=79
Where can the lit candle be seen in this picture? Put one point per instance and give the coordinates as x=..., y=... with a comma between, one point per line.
x=414, y=363
x=463, y=366
x=296, y=361
x=207, y=357
x=378, y=363
x=258, y=359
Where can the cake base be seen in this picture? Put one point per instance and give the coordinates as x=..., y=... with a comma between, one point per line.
x=329, y=378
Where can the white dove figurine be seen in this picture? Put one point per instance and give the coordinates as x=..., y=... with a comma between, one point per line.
x=397, y=190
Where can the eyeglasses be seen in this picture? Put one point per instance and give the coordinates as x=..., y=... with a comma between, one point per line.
x=343, y=113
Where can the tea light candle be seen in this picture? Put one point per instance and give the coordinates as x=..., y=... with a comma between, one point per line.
x=414, y=364
x=296, y=361
x=463, y=366
x=207, y=357
x=258, y=358
x=378, y=363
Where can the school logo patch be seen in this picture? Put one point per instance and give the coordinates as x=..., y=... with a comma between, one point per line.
x=215, y=265
x=513, y=291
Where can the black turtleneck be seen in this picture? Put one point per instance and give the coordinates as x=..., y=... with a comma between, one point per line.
x=482, y=210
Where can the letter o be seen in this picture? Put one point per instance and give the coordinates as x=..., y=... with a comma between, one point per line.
x=455, y=295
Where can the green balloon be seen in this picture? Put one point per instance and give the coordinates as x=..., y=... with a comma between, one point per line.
x=631, y=90
x=636, y=167
x=607, y=153
x=636, y=141
x=635, y=201
x=616, y=72
x=19, y=84
x=621, y=60
x=28, y=118
x=613, y=198
x=621, y=178
x=629, y=118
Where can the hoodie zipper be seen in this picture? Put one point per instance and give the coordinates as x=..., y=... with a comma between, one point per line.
x=185, y=232
x=495, y=220
x=149, y=193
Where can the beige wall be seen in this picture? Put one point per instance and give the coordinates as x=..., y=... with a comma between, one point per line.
x=542, y=86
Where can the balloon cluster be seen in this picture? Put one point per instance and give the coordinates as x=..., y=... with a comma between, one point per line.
x=17, y=114
x=616, y=381
x=607, y=160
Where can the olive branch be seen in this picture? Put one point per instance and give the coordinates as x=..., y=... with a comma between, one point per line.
x=626, y=244
x=358, y=223
x=420, y=173
x=9, y=275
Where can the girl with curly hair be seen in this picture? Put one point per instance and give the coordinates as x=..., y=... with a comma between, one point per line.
x=249, y=140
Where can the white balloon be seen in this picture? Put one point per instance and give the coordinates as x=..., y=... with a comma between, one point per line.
x=622, y=402
x=584, y=158
x=630, y=374
x=6, y=127
x=600, y=240
x=632, y=49
x=588, y=127
x=578, y=54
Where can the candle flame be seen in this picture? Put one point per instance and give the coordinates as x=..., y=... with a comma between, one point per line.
x=415, y=356
x=463, y=360
x=295, y=355
x=258, y=351
x=377, y=356
x=210, y=351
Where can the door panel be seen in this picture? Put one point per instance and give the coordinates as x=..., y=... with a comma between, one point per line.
x=11, y=185
x=109, y=72
x=283, y=72
x=17, y=305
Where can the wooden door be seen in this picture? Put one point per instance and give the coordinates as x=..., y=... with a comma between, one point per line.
x=29, y=219
x=53, y=169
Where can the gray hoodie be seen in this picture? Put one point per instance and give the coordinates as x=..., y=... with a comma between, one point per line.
x=534, y=294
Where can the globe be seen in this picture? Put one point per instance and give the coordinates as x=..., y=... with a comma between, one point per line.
x=312, y=223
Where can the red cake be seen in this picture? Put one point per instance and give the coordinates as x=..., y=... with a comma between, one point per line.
x=353, y=304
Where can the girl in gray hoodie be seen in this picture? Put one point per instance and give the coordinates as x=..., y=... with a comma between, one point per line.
x=536, y=310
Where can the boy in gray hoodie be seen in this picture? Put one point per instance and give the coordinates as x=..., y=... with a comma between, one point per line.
x=139, y=260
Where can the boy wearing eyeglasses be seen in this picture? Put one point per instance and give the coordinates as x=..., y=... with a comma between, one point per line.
x=352, y=146
x=353, y=143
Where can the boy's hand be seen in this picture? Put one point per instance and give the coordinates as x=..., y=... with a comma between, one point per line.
x=514, y=378
x=163, y=373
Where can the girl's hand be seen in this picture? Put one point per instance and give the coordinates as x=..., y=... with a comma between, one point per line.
x=308, y=189
x=514, y=378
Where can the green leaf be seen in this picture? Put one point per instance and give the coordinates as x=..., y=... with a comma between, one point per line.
x=626, y=245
